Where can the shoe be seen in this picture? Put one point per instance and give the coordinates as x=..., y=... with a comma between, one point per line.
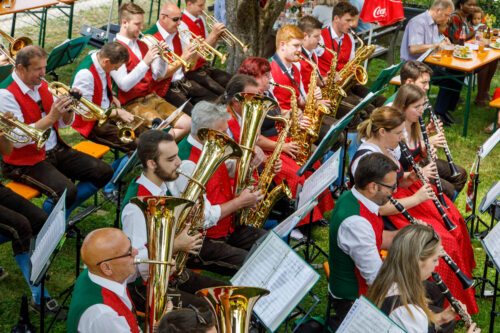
x=111, y=196
x=445, y=120
x=450, y=116
x=297, y=235
x=52, y=308
x=3, y=273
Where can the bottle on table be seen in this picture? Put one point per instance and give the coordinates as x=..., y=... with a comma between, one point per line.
x=463, y=36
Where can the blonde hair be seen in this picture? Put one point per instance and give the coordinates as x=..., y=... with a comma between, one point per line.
x=411, y=245
x=288, y=32
x=128, y=9
x=386, y=117
x=407, y=95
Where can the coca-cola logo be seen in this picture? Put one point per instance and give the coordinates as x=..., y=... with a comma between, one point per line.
x=379, y=12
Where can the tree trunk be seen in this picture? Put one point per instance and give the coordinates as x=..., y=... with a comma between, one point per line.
x=253, y=25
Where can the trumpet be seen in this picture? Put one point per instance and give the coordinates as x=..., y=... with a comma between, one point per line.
x=203, y=49
x=15, y=44
x=166, y=53
x=227, y=36
x=126, y=131
x=8, y=126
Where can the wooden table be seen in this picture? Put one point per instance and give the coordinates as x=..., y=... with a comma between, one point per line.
x=467, y=67
x=36, y=8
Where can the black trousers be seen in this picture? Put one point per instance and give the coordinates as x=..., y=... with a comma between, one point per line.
x=20, y=220
x=451, y=184
x=108, y=135
x=449, y=89
x=183, y=90
x=211, y=78
x=53, y=175
x=226, y=255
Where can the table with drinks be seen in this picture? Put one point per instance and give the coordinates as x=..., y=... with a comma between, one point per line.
x=479, y=56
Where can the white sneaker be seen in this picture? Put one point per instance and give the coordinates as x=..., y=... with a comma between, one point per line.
x=296, y=234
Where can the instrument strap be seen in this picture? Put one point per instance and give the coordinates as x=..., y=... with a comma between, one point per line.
x=339, y=44
x=287, y=73
x=313, y=59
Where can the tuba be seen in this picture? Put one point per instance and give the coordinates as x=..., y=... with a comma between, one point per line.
x=15, y=44
x=18, y=132
x=203, y=49
x=254, y=110
x=217, y=148
x=257, y=216
x=227, y=36
x=168, y=55
x=232, y=306
x=162, y=215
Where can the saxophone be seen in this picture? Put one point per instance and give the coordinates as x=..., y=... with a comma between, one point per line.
x=331, y=88
x=294, y=110
x=257, y=216
x=315, y=112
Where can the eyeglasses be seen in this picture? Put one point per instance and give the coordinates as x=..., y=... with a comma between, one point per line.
x=199, y=317
x=128, y=254
x=175, y=19
x=391, y=187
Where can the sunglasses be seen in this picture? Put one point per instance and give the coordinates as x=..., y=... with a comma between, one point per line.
x=435, y=237
x=175, y=19
x=128, y=254
x=199, y=317
x=390, y=187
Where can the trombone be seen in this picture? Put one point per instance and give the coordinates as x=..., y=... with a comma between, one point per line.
x=167, y=54
x=203, y=49
x=8, y=126
x=6, y=54
x=227, y=36
x=15, y=44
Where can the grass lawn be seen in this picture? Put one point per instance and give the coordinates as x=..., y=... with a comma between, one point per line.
x=62, y=272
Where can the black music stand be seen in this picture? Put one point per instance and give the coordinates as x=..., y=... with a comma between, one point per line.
x=474, y=219
x=65, y=54
x=44, y=250
x=119, y=180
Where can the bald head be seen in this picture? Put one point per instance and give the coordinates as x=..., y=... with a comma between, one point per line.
x=169, y=18
x=171, y=8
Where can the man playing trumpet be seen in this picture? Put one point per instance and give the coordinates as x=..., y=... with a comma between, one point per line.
x=145, y=75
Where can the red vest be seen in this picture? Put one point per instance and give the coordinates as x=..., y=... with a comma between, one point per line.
x=145, y=86
x=378, y=228
x=342, y=57
x=85, y=127
x=113, y=301
x=306, y=70
x=282, y=95
x=161, y=87
x=198, y=31
x=219, y=191
x=29, y=154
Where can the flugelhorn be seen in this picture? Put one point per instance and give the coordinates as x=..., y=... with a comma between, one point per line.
x=166, y=53
x=227, y=36
x=15, y=44
x=232, y=306
x=12, y=127
x=203, y=49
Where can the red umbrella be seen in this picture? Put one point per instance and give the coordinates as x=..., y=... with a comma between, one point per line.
x=383, y=12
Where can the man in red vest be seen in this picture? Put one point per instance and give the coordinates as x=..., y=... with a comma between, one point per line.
x=145, y=75
x=193, y=20
x=181, y=89
x=50, y=169
x=100, y=301
x=311, y=28
x=226, y=244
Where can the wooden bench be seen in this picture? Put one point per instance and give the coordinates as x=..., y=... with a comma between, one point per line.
x=396, y=81
x=23, y=190
x=495, y=103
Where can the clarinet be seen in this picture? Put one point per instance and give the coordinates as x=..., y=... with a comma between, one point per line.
x=447, y=152
x=433, y=158
x=453, y=301
x=464, y=280
x=406, y=153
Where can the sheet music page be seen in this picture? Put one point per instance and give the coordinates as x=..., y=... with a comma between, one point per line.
x=320, y=180
x=491, y=244
x=364, y=314
x=490, y=197
x=285, y=228
x=488, y=146
x=278, y=268
x=48, y=238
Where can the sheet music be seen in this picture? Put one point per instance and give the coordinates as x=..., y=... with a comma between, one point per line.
x=490, y=197
x=174, y=115
x=48, y=238
x=285, y=228
x=488, y=146
x=278, y=268
x=364, y=314
x=320, y=180
x=492, y=245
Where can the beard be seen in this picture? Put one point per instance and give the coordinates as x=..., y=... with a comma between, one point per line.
x=165, y=176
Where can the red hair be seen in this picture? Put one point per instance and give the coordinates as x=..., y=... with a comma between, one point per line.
x=254, y=66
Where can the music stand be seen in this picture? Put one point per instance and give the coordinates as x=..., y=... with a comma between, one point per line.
x=482, y=152
x=45, y=248
x=385, y=77
x=65, y=53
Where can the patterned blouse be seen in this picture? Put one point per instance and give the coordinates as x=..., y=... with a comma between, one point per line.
x=455, y=28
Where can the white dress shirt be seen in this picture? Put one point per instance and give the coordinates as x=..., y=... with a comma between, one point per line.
x=356, y=238
x=319, y=50
x=85, y=82
x=9, y=104
x=168, y=38
x=127, y=80
x=134, y=221
x=102, y=318
x=419, y=323
x=396, y=153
